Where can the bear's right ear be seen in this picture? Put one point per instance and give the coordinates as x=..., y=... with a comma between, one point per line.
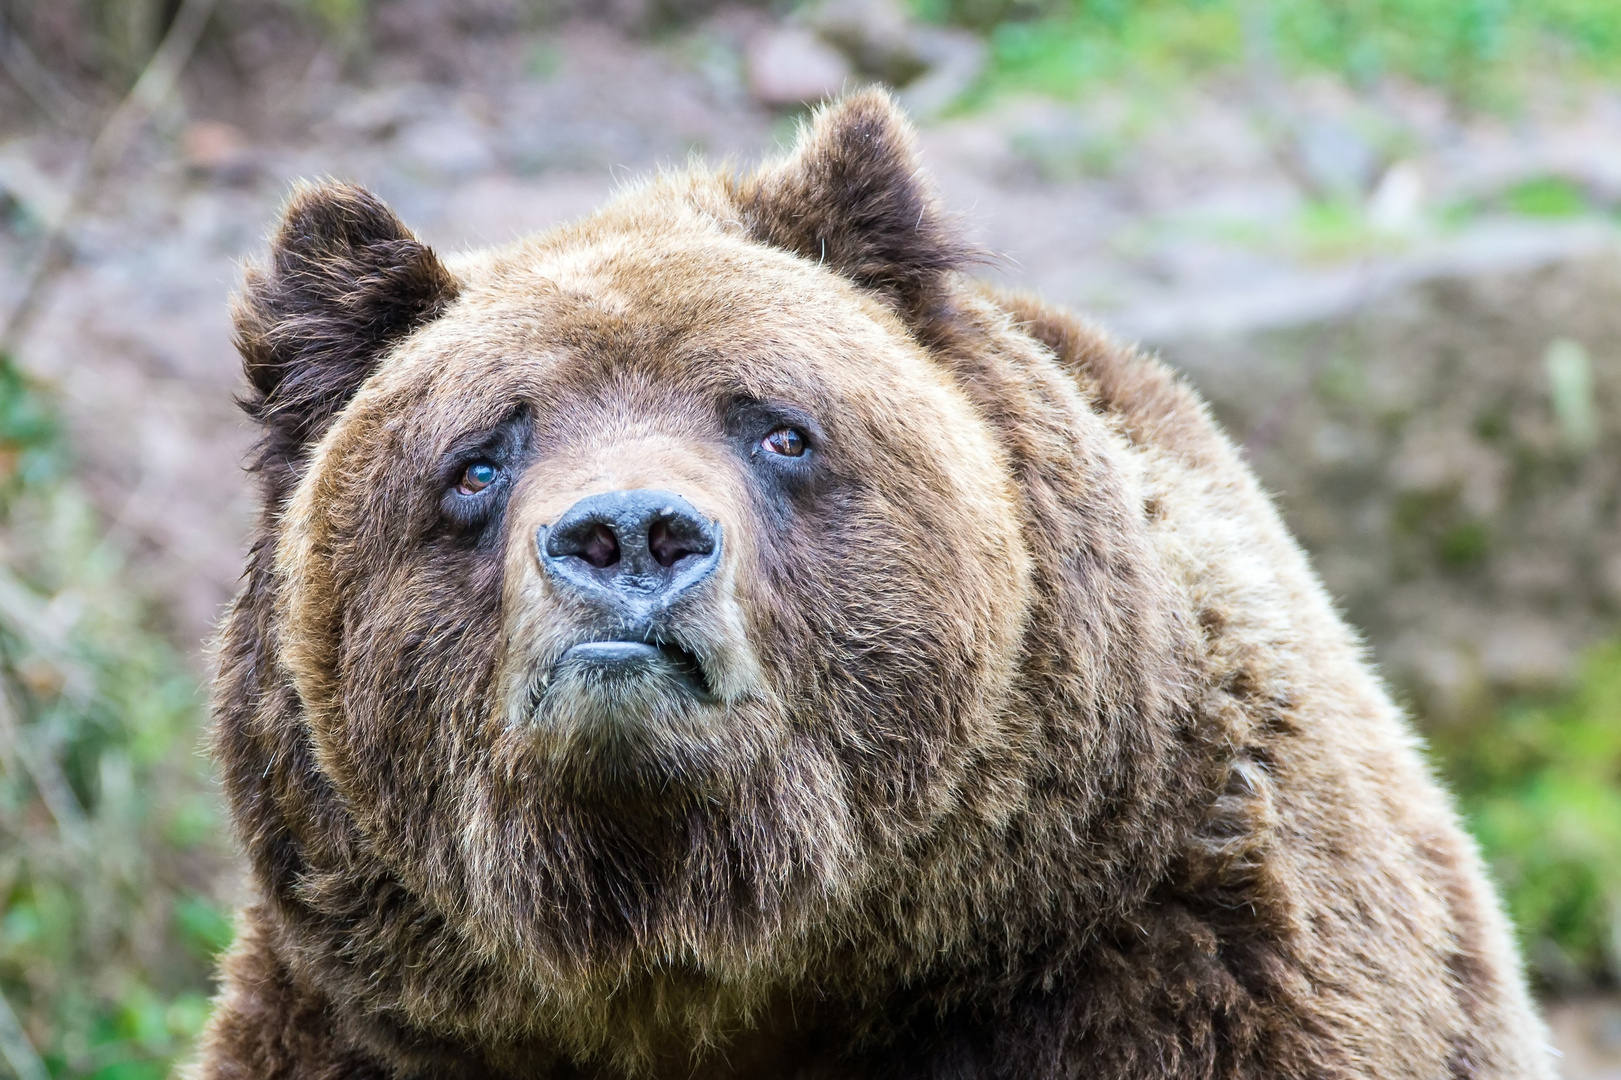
x=344, y=281
x=852, y=196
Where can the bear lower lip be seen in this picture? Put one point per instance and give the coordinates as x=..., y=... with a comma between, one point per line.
x=630, y=657
x=614, y=654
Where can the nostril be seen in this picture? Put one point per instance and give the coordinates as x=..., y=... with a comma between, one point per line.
x=671, y=539
x=593, y=542
x=637, y=544
x=600, y=547
x=665, y=548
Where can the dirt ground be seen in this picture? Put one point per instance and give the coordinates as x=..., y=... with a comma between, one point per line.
x=1167, y=214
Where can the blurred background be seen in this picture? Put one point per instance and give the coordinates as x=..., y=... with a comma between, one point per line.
x=1382, y=236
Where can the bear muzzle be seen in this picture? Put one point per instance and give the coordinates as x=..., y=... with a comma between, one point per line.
x=630, y=557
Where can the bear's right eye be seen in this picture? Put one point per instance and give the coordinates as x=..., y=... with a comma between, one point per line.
x=476, y=477
x=476, y=472
x=786, y=441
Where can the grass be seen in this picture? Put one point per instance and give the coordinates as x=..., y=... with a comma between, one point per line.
x=1547, y=197
x=1540, y=784
x=110, y=839
x=1479, y=51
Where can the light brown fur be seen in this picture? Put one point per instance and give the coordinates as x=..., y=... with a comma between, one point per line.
x=1035, y=747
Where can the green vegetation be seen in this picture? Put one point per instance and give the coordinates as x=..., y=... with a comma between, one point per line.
x=1541, y=787
x=338, y=15
x=1475, y=49
x=110, y=840
x=1547, y=197
x=1063, y=54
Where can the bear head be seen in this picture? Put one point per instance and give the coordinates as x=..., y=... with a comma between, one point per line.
x=681, y=592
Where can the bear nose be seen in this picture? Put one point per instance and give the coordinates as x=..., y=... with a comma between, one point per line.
x=642, y=548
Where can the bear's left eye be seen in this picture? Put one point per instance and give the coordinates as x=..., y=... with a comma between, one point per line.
x=787, y=441
x=476, y=477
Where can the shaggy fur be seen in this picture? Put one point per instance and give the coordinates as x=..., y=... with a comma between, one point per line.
x=1029, y=745
x=344, y=281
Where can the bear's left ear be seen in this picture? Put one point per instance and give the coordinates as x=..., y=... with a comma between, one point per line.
x=851, y=195
x=345, y=280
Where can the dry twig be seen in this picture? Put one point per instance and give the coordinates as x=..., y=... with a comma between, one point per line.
x=35, y=79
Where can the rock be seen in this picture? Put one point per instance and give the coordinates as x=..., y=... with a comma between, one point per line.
x=1586, y=1029
x=1398, y=200
x=39, y=194
x=931, y=65
x=1446, y=447
x=955, y=59
x=1610, y=577
x=1526, y=655
x=450, y=146
x=1334, y=158
x=877, y=35
x=378, y=114
x=1570, y=389
x=790, y=66
x=1061, y=145
x=1440, y=676
x=217, y=149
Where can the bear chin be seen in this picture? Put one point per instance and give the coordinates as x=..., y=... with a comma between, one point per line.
x=626, y=714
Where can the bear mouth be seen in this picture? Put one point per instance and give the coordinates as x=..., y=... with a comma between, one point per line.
x=633, y=661
x=630, y=658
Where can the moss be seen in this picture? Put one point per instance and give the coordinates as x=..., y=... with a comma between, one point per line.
x=1416, y=512
x=1494, y=423
x=1466, y=544
x=1343, y=380
x=1540, y=782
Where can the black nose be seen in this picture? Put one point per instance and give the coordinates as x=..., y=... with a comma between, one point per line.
x=635, y=551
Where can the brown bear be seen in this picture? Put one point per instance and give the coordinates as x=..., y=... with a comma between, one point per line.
x=720, y=639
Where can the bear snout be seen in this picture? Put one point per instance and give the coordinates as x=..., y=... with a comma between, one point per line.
x=630, y=554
